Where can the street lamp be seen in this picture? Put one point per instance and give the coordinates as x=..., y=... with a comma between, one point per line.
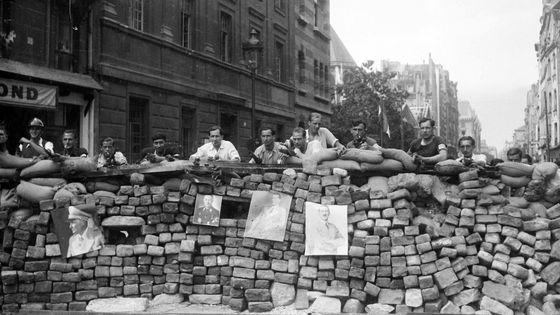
x=252, y=48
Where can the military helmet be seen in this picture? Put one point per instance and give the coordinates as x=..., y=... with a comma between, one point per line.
x=36, y=122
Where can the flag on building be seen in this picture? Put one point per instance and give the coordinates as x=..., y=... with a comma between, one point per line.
x=385, y=122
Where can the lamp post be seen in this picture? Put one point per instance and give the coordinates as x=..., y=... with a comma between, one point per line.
x=252, y=48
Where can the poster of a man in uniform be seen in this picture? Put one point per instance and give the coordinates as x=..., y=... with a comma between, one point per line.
x=326, y=229
x=207, y=210
x=78, y=230
x=268, y=215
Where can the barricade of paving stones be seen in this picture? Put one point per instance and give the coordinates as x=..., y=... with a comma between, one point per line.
x=481, y=253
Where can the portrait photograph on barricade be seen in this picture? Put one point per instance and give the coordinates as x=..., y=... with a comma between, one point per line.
x=78, y=230
x=207, y=210
x=268, y=215
x=326, y=230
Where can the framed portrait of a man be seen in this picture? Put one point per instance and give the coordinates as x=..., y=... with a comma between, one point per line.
x=268, y=215
x=78, y=230
x=326, y=229
x=207, y=210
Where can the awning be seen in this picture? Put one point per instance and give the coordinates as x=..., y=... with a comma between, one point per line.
x=48, y=74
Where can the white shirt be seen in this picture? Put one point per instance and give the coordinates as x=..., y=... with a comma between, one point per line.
x=47, y=145
x=477, y=158
x=226, y=152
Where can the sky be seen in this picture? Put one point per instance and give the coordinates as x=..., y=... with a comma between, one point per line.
x=486, y=45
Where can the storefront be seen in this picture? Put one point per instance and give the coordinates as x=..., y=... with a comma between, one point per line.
x=61, y=99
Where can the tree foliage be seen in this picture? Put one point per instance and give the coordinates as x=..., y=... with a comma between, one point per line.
x=364, y=90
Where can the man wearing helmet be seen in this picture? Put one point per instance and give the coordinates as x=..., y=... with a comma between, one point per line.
x=35, y=146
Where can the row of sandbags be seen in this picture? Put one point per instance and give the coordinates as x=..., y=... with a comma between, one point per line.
x=541, y=180
x=68, y=165
x=382, y=161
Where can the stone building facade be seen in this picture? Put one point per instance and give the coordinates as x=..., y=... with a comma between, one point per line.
x=176, y=67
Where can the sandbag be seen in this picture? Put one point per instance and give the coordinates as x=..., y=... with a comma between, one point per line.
x=8, y=173
x=137, y=179
x=552, y=194
x=11, y=161
x=172, y=184
x=515, y=182
x=534, y=191
x=545, y=170
x=377, y=183
x=73, y=165
x=324, y=155
x=344, y=164
x=515, y=169
x=41, y=168
x=518, y=202
x=34, y=193
x=76, y=188
x=450, y=167
x=48, y=181
x=8, y=198
x=95, y=186
x=103, y=193
x=387, y=166
x=358, y=155
x=294, y=160
x=490, y=190
x=425, y=183
x=22, y=214
x=401, y=156
x=62, y=198
x=309, y=166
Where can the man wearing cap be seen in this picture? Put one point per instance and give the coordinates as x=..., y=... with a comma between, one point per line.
x=35, y=146
x=160, y=151
x=86, y=235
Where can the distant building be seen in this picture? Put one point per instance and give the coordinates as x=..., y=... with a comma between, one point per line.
x=469, y=125
x=547, y=50
x=340, y=61
x=534, y=133
x=312, y=77
x=431, y=94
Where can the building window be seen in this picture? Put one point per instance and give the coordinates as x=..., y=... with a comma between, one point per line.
x=279, y=71
x=316, y=14
x=6, y=15
x=63, y=54
x=137, y=14
x=321, y=80
x=555, y=100
x=301, y=66
x=315, y=77
x=226, y=34
x=187, y=10
x=556, y=133
x=137, y=126
x=228, y=122
x=302, y=7
x=326, y=78
x=280, y=5
x=188, y=132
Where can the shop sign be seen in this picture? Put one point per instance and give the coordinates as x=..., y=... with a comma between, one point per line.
x=27, y=94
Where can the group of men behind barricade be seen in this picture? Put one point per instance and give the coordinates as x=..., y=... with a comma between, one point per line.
x=426, y=151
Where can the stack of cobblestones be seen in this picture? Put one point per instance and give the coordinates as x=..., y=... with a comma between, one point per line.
x=481, y=251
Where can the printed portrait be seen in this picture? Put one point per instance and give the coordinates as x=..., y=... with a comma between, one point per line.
x=78, y=230
x=207, y=210
x=326, y=229
x=268, y=215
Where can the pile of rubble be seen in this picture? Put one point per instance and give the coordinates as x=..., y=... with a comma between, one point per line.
x=479, y=250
